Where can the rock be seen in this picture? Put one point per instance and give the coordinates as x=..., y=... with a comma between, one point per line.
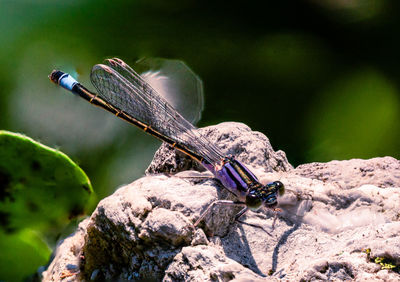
x=204, y=263
x=67, y=258
x=169, y=226
x=199, y=238
x=381, y=172
x=233, y=138
x=338, y=225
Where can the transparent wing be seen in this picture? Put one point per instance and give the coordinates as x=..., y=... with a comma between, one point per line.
x=121, y=86
x=176, y=82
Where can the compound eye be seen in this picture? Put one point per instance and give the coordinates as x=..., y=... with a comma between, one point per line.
x=280, y=188
x=253, y=202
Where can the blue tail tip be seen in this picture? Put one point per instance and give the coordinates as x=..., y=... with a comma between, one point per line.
x=63, y=79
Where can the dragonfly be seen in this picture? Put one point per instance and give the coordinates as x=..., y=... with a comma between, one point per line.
x=126, y=94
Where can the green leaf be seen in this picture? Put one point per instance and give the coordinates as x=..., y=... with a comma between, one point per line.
x=40, y=188
x=21, y=254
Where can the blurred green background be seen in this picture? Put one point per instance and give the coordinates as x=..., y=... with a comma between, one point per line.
x=319, y=78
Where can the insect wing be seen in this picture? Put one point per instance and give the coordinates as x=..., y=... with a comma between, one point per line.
x=121, y=86
x=176, y=82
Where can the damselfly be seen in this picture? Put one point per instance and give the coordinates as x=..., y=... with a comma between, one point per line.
x=126, y=94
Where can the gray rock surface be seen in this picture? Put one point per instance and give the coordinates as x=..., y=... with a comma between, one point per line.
x=67, y=256
x=233, y=138
x=340, y=221
x=381, y=172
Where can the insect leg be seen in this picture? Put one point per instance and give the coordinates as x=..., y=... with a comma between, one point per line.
x=276, y=211
x=242, y=212
x=219, y=202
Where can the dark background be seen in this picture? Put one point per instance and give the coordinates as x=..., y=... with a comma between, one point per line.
x=319, y=78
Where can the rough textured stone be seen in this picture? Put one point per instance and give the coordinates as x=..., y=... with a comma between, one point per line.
x=232, y=138
x=199, y=238
x=203, y=263
x=337, y=223
x=169, y=226
x=381, y=172
x=67, y=256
